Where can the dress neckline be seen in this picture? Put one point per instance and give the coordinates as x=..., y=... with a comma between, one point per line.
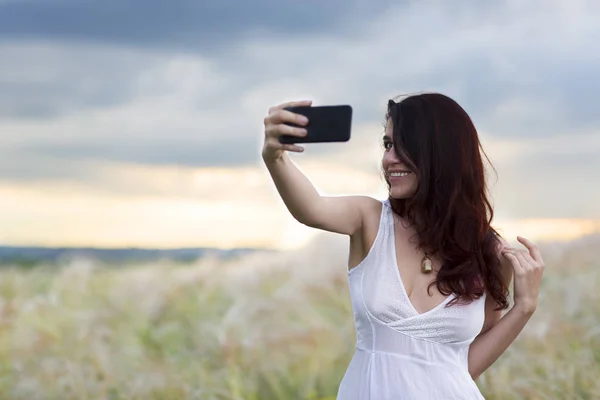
x=392, y=236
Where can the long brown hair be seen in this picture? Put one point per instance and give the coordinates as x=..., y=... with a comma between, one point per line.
x=451, y=212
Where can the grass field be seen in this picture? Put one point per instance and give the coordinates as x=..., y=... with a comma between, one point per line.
x=265, y=326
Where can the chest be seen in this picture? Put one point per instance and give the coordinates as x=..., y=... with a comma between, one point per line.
x=408, y=260
x=378, y=295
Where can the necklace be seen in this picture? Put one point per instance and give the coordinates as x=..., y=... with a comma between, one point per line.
x=426, y=266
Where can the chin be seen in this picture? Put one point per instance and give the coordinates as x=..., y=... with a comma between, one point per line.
x=401, y=195
x=405, y=191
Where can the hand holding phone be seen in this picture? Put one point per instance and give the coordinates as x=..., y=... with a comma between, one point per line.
x=325, y=124
x=298, y=122
x=278, y=123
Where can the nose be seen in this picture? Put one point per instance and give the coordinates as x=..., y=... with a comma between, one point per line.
x=390, y=157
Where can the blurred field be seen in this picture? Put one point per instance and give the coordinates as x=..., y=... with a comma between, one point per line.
x=265, y=326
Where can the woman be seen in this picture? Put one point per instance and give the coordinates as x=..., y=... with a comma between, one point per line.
x=428, y=275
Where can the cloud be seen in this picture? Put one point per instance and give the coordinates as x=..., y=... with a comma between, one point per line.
x=41, y=81
x=550, y=178
x=196, y=26
x=76, y=98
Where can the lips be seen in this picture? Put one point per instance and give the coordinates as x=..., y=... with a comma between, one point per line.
x=401, y=175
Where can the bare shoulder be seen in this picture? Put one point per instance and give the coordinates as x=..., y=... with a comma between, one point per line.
x=371, y=210
x=341, y=214
x=365, y=203
x=368, y=207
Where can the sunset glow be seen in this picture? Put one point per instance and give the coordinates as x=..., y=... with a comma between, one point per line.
x=242, y=209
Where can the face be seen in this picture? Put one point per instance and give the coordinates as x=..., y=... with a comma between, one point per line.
x=403, y=181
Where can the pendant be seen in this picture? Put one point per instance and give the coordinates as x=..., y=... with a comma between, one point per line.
x=426, y=266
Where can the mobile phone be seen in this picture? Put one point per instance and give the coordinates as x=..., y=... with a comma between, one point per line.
x=325, y=124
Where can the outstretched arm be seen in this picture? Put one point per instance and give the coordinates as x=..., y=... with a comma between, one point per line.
x=500, y=332
x=343, y=214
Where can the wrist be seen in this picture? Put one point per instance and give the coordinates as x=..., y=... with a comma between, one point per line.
x=271, y=159
x=525, y=308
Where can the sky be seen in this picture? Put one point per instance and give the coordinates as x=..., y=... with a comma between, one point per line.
x=140, y=123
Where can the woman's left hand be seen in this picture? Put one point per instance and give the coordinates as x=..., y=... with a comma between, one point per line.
x=528, y=267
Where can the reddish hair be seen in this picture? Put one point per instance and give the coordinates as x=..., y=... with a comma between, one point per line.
x=435, y=137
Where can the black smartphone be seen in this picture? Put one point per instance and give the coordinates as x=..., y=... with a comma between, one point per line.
x=325, y=124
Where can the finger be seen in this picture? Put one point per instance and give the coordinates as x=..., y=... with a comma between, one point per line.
x=530, y=260
x=517, y=252
x=533, y=249
x=292, y=147
x=284, y=116
x=512, y=250
x=524, y=263
x=282, y=129
x=291, y=104
x=514, y=261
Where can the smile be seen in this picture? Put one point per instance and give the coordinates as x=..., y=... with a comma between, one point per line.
x=399, y=174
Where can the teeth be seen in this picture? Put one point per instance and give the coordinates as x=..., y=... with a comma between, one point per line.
x=399, y=173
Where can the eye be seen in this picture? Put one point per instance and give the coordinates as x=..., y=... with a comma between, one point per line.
x=387, y=145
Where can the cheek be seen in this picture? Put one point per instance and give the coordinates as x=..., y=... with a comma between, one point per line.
x=414, y=181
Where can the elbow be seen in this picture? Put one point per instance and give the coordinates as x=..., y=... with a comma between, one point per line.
x=306, y=216
x=302, y=217
x=476, y=371
x=306, y=221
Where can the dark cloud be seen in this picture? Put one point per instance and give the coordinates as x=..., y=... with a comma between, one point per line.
x=552, y=94
x=30, y=100
x=41, y=81
x=205, y=25
x=535, y=85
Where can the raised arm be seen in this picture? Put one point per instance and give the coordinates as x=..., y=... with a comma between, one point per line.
x=499, y=331
x=342, y=214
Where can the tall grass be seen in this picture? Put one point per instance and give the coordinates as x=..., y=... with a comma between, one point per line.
x=265, y=326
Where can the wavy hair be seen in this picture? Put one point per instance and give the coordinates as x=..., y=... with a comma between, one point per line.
x=450, y=211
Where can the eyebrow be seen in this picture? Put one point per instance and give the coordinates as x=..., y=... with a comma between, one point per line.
x=386, y=137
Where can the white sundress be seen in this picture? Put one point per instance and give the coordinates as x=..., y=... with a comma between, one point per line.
x=402, y=354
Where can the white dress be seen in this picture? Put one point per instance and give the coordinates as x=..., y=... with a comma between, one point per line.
x=401, y=354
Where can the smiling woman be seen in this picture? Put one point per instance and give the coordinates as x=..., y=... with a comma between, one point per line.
x=428, y=274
